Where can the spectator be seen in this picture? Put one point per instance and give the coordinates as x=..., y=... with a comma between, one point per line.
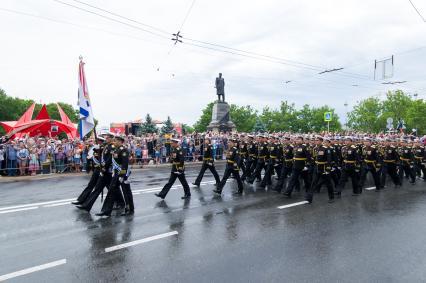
x=77, y=157
x=23, y=156
x=33, y=162
x=11, y=153
x=2, y=154
x=60, y=159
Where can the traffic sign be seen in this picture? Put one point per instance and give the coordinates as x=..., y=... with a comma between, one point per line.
x=328, y=116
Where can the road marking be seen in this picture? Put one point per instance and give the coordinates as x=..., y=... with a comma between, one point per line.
x=16, y=210
x=141, y=241
x=56, y=204
x=32, y=269
x=37, y=203
x=293, y=204
x=370, y=188
x=60, y=202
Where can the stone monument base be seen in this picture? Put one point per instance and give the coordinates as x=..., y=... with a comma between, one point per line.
x=221, y=121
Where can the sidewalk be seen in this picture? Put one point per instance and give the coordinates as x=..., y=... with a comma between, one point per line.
x=5, y=179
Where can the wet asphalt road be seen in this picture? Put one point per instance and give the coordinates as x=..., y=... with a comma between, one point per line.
x=377, y=237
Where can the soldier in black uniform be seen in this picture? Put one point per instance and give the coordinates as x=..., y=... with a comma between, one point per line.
x=370, y=163
x=251, y=159
x=301, y=159
x=350, y=167
x=120, y=185
x=323, y=158
x=105, y=176
x=390, y=161
x=208, y=163
x=262, y=159
x=419, y=159
x=274, y=163
x=97, y=151
x=242, y=161
x=287, y=164
x=407, y=162
x=231, y=168
x=178, y=171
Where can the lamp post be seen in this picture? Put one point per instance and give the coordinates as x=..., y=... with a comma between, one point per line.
x=346, y=115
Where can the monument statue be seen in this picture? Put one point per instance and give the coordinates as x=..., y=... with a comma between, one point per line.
x=220, y=87
x=221, y=120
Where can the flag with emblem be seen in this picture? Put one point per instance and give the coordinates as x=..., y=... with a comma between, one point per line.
x=87, y=122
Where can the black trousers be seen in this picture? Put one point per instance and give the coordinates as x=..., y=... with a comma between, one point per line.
x=391, y=170
x=283, y=175
x=408, y=169
x=90, y=186
x=364, y=171
x=270, y=168
x=420, y=168
x=212, y=169
x=172, y=179
x=242, y=165
x=320, y=177
x=228, y=171
x=260, y=165
x=250, y=166
x=103, y=181
x=116, y=192
x=294, y=179
x=348, y=172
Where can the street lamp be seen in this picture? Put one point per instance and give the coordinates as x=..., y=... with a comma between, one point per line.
x=346, y=115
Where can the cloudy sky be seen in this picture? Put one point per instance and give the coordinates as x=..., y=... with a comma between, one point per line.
x=39, y=56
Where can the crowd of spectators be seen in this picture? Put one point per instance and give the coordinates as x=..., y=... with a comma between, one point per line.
x=45, y=155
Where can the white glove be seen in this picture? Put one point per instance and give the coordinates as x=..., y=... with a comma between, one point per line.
x=121, y=179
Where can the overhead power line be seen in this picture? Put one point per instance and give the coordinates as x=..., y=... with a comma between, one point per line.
x=418, y=12
x=114, y=20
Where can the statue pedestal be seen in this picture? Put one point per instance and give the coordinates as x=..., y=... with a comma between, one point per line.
x=221, y=121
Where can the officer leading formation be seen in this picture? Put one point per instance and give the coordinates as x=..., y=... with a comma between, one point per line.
x=296, y=161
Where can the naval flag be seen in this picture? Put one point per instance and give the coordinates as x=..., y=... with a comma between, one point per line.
x=87, y=122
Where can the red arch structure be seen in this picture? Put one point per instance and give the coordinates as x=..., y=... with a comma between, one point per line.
x=41, y=125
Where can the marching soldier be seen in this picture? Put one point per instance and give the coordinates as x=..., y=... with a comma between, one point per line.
x=105, y=176
x=350, y=167
x=407, y=162
x=274, y=163
x=301, y=159
x=178, y=171
x=208, y=163
x=251, y=159
x=323, y=158
x=242, y=161
x=390, y=161
x=119, y=182
x=97, y=151
x=231, y=168
x=370, y=163
x=287, y=164
x=262, y=158
x=420, y=159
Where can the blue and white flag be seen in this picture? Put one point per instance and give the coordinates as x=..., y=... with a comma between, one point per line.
x=87, y=122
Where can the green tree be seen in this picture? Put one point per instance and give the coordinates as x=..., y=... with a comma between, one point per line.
x=244, y=117
x=168, y=126
x=259, y=127
x=186, y=129
x=148, y=127
x=206, y=117
x=365, y=114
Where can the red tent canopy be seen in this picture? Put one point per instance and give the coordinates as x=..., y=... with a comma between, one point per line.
x=42, y=125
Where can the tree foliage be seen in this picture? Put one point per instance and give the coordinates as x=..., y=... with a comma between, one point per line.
x=370, y=114
x=285, y=118
x=168, y=126
x=148, y=127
